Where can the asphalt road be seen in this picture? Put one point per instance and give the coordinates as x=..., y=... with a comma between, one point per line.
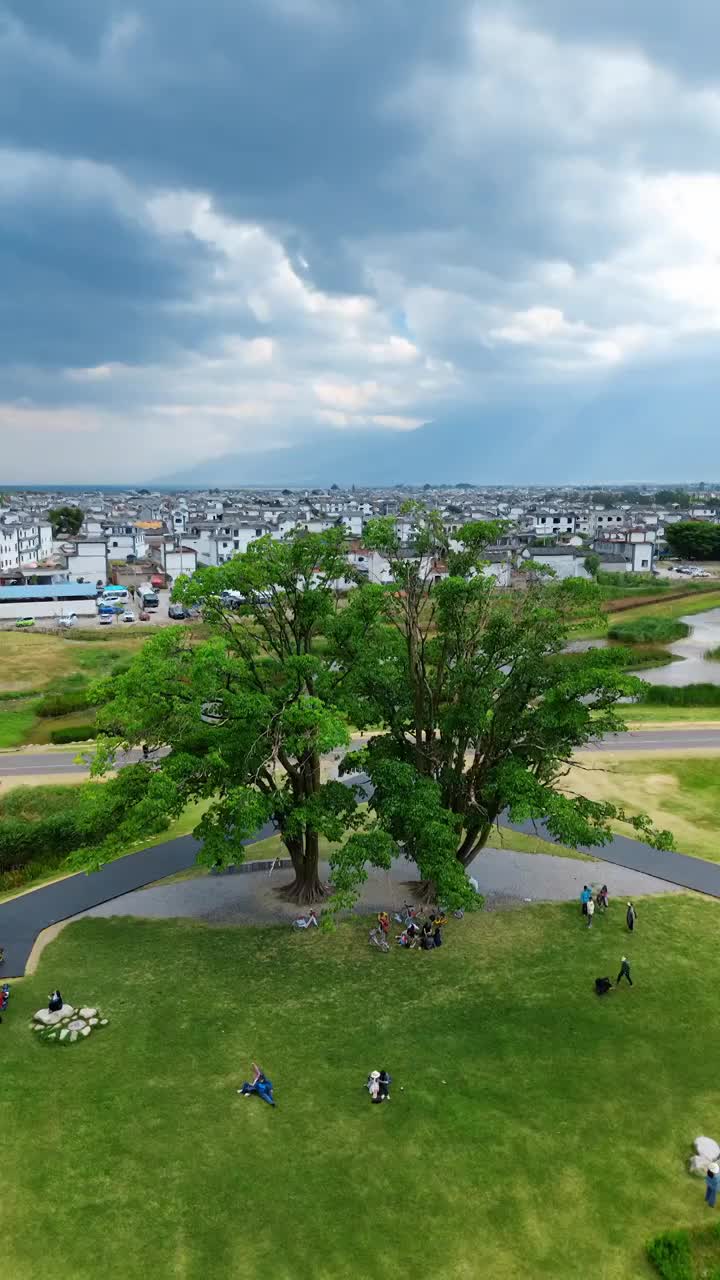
x=660, y=739
x=24, y=763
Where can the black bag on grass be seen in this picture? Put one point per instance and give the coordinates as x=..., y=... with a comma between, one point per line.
x=602, y=986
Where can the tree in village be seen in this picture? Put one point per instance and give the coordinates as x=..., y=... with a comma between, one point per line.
x=67, y=520
x=250, y=713
x=694, y=539
x=481, y=709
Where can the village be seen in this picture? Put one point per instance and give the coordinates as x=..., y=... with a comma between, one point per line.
x=128, y=538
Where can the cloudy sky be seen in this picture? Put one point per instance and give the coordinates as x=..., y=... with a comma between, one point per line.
x=286, y=240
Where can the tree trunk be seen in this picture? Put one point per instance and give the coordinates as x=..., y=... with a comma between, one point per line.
x=307, y=886
x=472, y=844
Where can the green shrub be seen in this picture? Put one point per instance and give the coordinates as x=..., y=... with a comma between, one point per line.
x=670, y=1255
x=713, y=655
x=649, y=631
x=61, y=704
x=74, y=733
x=689, y=695
x=16, y=695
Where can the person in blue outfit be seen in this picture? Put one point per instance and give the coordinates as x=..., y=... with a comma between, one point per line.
x=260, y=1085
x=712, y=1182
x=585, y=897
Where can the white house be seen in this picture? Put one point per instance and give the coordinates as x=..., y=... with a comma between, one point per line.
x=87, y=560
x=125, y=540
x=566, y=562
x=553, y=523
x=177, y=560
x=635, y=546
x=24, y=542
x=370, y=564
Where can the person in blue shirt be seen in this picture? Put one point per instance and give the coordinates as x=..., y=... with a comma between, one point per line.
x=712, y=1182
x=585, y=897
x=260, y=1085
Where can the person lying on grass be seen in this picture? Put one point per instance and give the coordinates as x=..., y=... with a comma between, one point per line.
x=260, y=1085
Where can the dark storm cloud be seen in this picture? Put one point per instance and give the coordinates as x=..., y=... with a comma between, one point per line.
x=521, y=193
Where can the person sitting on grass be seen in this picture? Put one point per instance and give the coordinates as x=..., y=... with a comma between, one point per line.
x=406, y=938
x=260, y=1085
x=373, y=1086
x=426, y=940
x=384, y=1082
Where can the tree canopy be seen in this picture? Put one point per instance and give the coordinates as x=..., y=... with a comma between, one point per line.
x=694, y=539
x=474, y=691
x=66, y=520
x=468, y=705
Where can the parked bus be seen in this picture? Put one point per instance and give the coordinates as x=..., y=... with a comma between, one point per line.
x=148, y=596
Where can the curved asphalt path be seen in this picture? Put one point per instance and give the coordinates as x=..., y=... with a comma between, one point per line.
x=23, y=918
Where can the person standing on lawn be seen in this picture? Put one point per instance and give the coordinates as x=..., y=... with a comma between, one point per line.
x=624, y=972
x=585, y=897
x=590, y=912
x=630, y=917
x=602, y=898
x=712, y=1182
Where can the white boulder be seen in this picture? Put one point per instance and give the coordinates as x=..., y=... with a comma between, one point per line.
x=93, y=1021
x=49, y=1019
x=73, y=1036
x=64, y=1033
x=77, y=1024
x=86, y=1031
x=87, y=1013
x=708, y=1148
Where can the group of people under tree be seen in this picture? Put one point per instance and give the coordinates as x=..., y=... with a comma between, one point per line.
x=426, y=935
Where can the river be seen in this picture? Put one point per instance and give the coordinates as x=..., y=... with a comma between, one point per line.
x=695, y=668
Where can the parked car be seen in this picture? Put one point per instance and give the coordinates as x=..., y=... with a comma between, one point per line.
x=128, y=616
x=106, y=619
x=25, y=622
x=176, y=611
x=67, y=620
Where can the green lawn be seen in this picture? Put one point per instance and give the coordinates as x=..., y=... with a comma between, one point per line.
x=640, y=712
x=500, y=838
x=681, y=794
x=535, y=1131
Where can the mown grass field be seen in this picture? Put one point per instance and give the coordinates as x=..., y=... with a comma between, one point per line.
x=681, y=794
x=533, y=1130
x=36, y=663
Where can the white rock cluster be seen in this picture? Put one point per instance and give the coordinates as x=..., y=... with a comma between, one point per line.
x=67, y=1025
x=706, y=1152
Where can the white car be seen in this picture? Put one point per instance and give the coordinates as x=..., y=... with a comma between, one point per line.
x=128, y=616
x=106, y=619
x=67, y=620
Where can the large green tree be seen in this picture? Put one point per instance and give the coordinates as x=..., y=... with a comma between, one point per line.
x=249, y=712
x=474, y=692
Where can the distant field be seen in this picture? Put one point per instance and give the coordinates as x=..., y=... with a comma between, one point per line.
x=681, y=794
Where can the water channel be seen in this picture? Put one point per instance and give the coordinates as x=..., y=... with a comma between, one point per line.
x=694, y=667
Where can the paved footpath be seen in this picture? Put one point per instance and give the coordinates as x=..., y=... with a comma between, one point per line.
x=23, y=918
x=502, y=876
